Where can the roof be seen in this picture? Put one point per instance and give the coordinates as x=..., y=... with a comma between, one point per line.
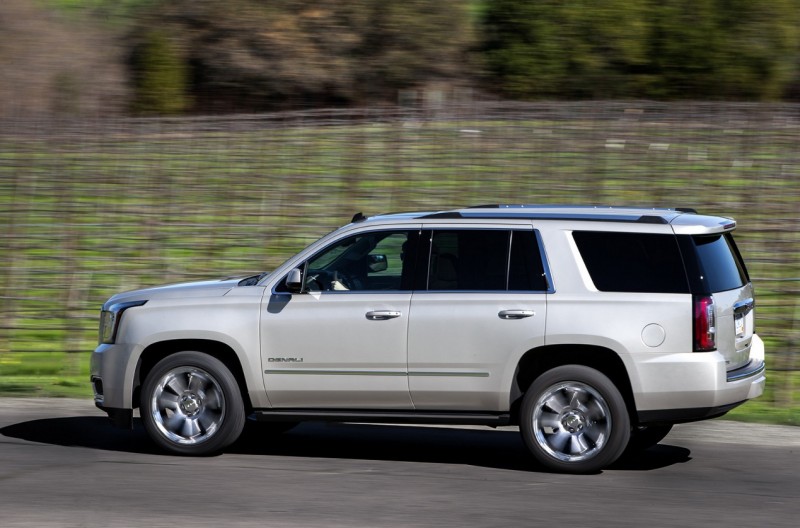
x=683, y=220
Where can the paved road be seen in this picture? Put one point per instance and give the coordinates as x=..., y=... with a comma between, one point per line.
x=62, y=464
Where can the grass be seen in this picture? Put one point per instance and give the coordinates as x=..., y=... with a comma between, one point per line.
x=779, y=405
x=765, y=412
x=46, y=374
x=91, y=211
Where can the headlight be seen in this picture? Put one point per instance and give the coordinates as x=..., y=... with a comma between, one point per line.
x=109, y=320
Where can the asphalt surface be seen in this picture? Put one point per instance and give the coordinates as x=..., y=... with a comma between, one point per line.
x=63, y=464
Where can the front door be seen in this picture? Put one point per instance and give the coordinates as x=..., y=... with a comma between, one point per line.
x=342, y=342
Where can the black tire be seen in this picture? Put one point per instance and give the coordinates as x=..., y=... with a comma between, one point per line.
x=574, y=420
x=646, y=436
x=191, y=404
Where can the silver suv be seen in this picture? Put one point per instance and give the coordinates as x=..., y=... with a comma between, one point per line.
x=593, y=329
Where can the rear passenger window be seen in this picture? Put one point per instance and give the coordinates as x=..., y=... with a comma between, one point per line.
x=485, y=260
x=632, y=262
x=526, y=268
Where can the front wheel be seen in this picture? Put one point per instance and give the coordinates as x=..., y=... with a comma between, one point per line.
x=574, y=420
x=191, y=404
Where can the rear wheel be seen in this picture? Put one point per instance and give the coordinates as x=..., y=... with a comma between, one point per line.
x=191, y=404
x=574, y=420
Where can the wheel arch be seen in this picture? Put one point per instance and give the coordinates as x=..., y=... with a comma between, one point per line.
x=158, y=351
x=539, y=360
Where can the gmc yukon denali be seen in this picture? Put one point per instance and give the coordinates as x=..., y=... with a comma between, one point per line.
x=594, y=329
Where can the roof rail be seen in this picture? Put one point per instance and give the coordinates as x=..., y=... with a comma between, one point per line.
x=445, y=214
x=688, y=210
x=649, y=219
x=586, y=217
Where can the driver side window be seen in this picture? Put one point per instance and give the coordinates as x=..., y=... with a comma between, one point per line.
x=372, y=261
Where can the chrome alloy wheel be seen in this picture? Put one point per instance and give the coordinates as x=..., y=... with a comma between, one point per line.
x=571, y=421
x=187, y=405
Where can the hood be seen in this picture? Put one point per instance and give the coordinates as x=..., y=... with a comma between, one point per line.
x=212, y=288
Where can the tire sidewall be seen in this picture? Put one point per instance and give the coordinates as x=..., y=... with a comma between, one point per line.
x=232, y=421
x=620, y=422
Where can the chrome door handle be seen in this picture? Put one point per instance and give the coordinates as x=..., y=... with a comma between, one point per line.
x=380, y=315
x=516, y=314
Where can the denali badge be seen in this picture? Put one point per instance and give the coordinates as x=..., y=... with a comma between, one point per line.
x=285, y=360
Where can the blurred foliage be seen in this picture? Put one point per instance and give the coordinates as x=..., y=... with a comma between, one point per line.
x=256, y=55
x=58, y=66
x=687, y=49
x=713, y=49
x=249, y=54
x=112, y=12
x=551, y=48
x=160, y=76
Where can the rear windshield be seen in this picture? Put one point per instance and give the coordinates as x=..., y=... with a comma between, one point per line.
x=713, y=263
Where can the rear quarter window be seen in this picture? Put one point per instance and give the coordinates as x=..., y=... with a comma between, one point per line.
x=632, y=262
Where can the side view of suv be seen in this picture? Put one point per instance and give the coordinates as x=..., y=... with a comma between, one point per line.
x=593, y=329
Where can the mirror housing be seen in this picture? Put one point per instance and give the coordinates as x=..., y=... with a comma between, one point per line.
x=294, y=281
x=377, y=263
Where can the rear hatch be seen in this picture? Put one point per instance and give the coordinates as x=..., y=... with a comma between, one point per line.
x=716, y=271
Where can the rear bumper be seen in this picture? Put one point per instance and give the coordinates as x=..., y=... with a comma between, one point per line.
x=696, y=385
x=753, y=368
x=684, y=415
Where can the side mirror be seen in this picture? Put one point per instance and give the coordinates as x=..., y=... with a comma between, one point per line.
x=377, y=263
x=294, y=281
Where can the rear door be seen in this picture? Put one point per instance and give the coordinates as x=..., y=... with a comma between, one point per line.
x=483, y=304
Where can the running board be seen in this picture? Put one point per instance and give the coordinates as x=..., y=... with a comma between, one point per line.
x=398, y=417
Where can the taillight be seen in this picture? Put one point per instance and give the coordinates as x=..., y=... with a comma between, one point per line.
x=705, y=324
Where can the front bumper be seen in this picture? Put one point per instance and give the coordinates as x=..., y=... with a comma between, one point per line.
x=112, y=374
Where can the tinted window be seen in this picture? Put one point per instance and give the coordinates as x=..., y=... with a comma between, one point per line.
x=469, y=260
x=485, y=260
x=526, y=270
x=713, y=263
x=632, y=262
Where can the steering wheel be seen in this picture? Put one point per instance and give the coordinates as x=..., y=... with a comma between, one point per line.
x=315, y=282
x=327, y=281
x=344, y=282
